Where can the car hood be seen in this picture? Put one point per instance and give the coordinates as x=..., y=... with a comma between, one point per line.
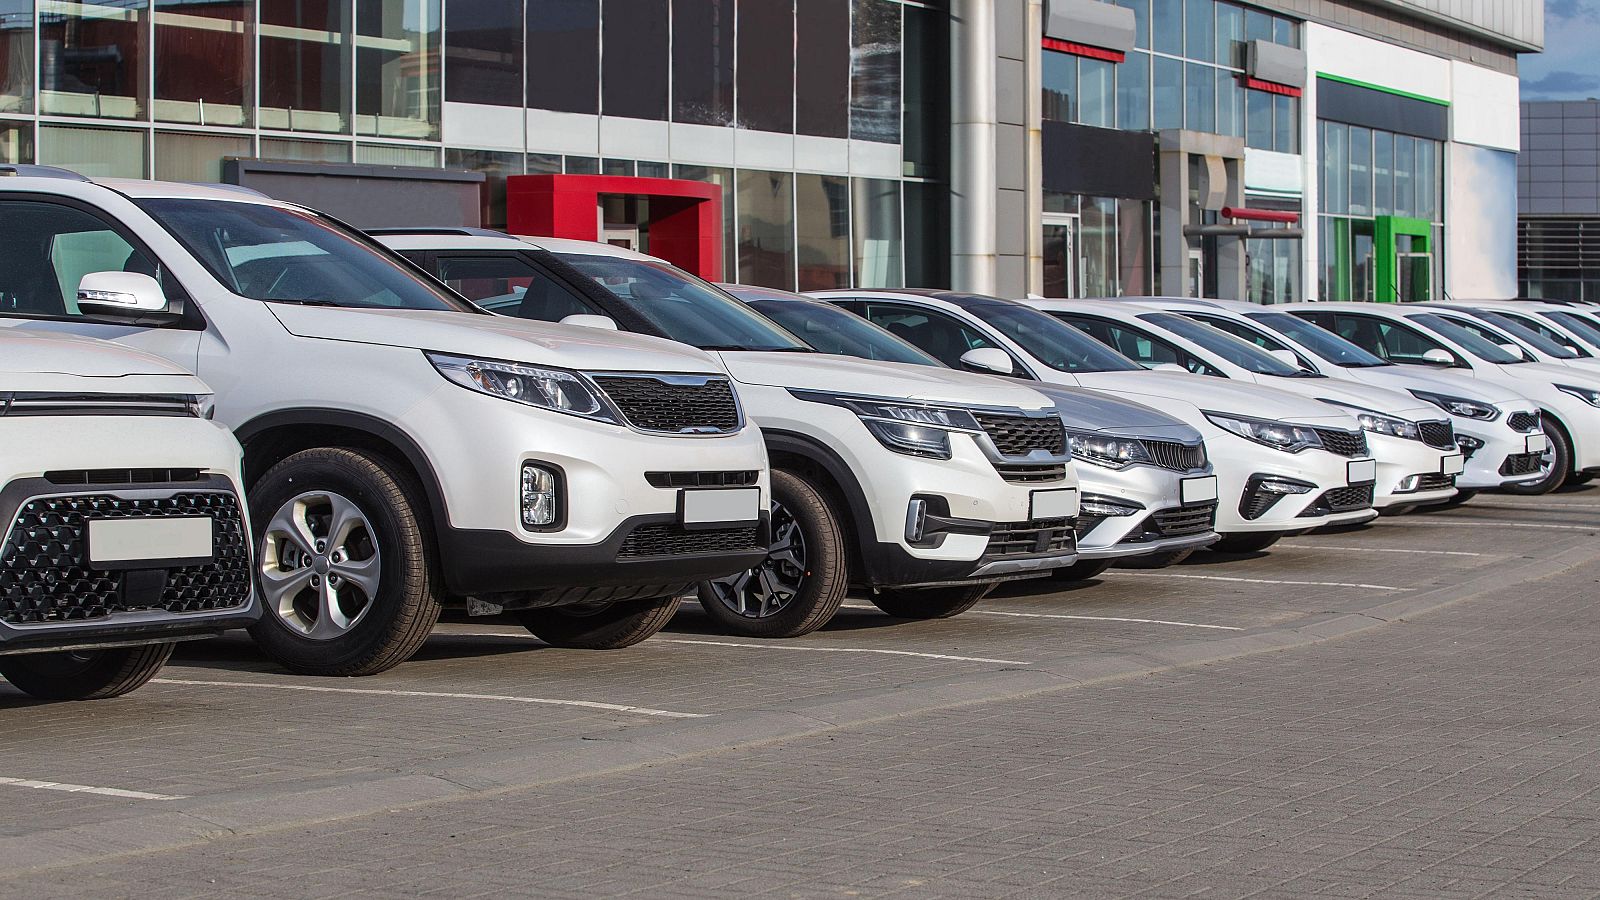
x=1106, y=413
x=1403, y=378
x=1381, y=400
x=495, y=337
x=1163, y=390
x=1552, y=373
x=848, y=375
x=60, y=363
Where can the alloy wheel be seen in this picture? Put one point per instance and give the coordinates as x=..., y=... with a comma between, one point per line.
x=768, y=590
x=320, y=565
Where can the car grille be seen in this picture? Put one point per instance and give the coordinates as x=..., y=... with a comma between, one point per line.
x=1438, y=434
x=672, y=539
x=1175, y=522
x=1041, y=536
x=674, y=404
x=1344, y=443
x=1435, y=481
x=1526, y=422
x=1522, y=464
x=744, y=478
x=1021, y=473
x=44, y=563
x=122, y=476
x=1021, y=435
x=1344, y=499
x=1176, y=456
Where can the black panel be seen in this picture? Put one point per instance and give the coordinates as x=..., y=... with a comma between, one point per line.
x=1101, y=162
x=1341, y=102
x=483, y=52
x=702, y=62
x=563, y=55
x=766, y=65
x=634, y=78
x=822, y=81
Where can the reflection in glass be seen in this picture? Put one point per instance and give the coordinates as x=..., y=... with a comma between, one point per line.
x=95, y=152
x=1199, y=99
x=822, y=224
x=16, y=56
x=822, y=80
x=92, y=59
x=305, y=66
x=1336, y=168
x=205, y=56
x=1059, y=72
x=927, y=234
x=702, y=62
x=634, y=61
x=313, y=151
x=397, y=155
x=483, y=52
x=766, y=229
x=616, y=167
x=1230, y=35
x=563, y=55
x=1133, y=93
x=1098, y=235
x=1096, y=97
x=1230, y=103
x=1405, y=162
x=1258, y=120
x=397, y=68
x=1141, y=21
x=1427, y=181
x=1286, y=123
x=1166, y=27
x=875, y=72
x=926, y=92
x=583, y=165
x=766, y=66
x=195, y=157
x=1200, y=34
x=1360, y=171
x=1168, y=93
x=879, y=254
x=16, y=142
x=495, y=167
x=1133, y=247
x=1382, y=173
x=543, y=164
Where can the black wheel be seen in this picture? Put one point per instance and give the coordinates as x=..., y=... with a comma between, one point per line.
x=930, y=603
x=1156, y=560
x=800, y=586
x=1580, y=478
x=1245, y=542
x=85, y=674
x=1557, y=466
x=346, y=571
x=599, y=626
x=1082, y=570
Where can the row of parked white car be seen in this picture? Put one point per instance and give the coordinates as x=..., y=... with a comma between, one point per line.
x=579, y=435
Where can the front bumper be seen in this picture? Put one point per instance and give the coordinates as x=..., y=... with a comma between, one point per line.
x=1156, y=521
x=1500, y=461
x=1409, y=472
x=1242, y=466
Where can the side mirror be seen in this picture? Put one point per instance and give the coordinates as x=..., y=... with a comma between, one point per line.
x=124, y=295
x=988, y=359
x=588, y=320
x=1438, y=357
x=1287, y=356
x=1516, y=351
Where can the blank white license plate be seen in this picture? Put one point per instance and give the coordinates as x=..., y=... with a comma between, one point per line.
x=149, y=543
x=1062, y=504
x=1361, y=471
x=718, y=507
x=1198, y=490
x=1454, y=464
x=1538, y=443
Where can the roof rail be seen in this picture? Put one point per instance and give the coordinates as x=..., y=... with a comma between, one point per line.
x=461, y=230
x=21, y=170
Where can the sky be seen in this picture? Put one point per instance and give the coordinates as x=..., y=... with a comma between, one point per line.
x=1569, y=67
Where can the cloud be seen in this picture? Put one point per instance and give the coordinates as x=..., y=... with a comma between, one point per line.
x=1562, y=84
x=1572, y=9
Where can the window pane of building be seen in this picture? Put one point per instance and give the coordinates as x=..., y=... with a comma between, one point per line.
x=96, y=152
x=879, y=255
x=633, y=54
x=582, y=165
x=765, y=100
x=195, y=157
x=1133, y=247
x=563, y=55
x=1230, y=103
x=1286, y=123
x=724, y=179
x=397, y=68
x=1382, y=173
x=1258, y=120
x=822, y=223
x=1230, y=35
x=311, y=151
x=875, y=72
x=1133, y=93
x=926, y=92
x=1427, y=181
x=483, y=52
x=1200, y=40
x=616, y=167
x=927, y=228
x=1059, y=72
x=1405, y=162
x=653, y=170
x=1141, y=21
x=93, y=59
x=16, y=56
x=766, y=228
x=495, y=166
x=397, y=155
x=1257, y=25
x=1098, y=235
x=1283, y=32
x=305, y=66
x=1200, y=99
x=1336, y=168
x=16, y=142
x=1166, y=26
x=542, y=164
x=203, y=61
x=1097, y=98
x=1360, y=171
x=822, y=80
x=702, y=61
x=1167, y=91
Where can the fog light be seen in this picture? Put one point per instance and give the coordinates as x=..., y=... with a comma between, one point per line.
x=916, y=520
x=538, y=496
x=1274, y=486
x=1105, y=507
x=1469, y=445
x=1407, y=484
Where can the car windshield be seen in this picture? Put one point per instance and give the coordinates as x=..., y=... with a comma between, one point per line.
x=832, y=330
x=1467, y=340
x=1526, y=335
x=1239, y=352
x=685, y=308
x=286, y=255
x=1050, y=340
x=1584, y=328
x=1320, y=341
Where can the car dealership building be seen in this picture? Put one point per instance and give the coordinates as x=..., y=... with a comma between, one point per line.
x=1296, y=149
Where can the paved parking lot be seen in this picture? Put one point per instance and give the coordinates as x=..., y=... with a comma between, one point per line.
x=1408, y=707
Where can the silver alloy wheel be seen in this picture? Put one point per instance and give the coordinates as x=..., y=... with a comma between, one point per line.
x=320, y=565
x=768, y=590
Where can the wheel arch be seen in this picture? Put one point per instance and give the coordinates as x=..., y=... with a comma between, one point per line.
x=798, y=452
x=1551, y=417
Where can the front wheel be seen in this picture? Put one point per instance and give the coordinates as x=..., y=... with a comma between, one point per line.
x=85, y=674
x=1245, y=542
x=930, y=603
x=599, y=626
x=1557, y=467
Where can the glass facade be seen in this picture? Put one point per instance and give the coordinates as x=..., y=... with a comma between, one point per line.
x=1374, y=186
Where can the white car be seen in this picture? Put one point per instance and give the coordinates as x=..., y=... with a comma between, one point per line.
x=926, y=486
x=403, y=450
x=1413, y=442
x=1424, y=335
x=1530, y=341
x=1571, y=327
x=1284, y=464
x=126, y=529
x=1497, y=430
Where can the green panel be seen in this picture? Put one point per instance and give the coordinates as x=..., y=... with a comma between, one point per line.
x=1387, y=90
x=1385, y=251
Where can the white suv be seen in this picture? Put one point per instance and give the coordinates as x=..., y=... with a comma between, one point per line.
x=124, y=528
x=926, y=486
x=402, y=449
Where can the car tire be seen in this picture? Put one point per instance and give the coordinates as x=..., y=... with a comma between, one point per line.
x=369, y=601
x=1156, y=560
x=800, y=586
x=1245, y=542
x=602, y=626
x=930, y=603
x=1560, y=465
x=1082, y=570
x=85, y=674
x=1580, y=478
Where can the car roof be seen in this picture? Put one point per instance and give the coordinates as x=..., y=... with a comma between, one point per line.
x=450, y=237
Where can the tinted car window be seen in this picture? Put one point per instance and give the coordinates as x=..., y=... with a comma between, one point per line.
x=1469, y=339
x=46, y=249
x=832, y=330
x=941, y=336
x=1049, y=340
x=1137, y=344
x=1241, y=353
x=1320, y=341
x=512, y=286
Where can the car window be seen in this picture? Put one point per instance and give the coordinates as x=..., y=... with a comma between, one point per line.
x=941, y=336
x=1546, y=331
x=1324, y=343
x=1222, y=345
x=1470, y=339
x=1486, y=334
x=47, y=248
x=1532, y=332
x=1137, y=344
x=512, y=286
x=1584, y=328
x=1045, y=337
x=833, y=330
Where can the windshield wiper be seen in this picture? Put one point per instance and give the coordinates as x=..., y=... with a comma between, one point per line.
x=1362, y=365
x=749, y=349
x=300, y=301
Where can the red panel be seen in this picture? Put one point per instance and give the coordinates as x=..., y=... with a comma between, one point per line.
x=685, y=216
x=1115, y=56
x=1259, y=215
x=1272, y=87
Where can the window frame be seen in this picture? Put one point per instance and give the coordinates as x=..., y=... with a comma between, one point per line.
x=1020, y=368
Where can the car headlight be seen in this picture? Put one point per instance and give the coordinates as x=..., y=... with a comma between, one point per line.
x=554, y=389
x=1378, y=423
x=1587, y=395
x=1278, y=435
x=1459, y=406
x=909, y=428
x=1111, y=452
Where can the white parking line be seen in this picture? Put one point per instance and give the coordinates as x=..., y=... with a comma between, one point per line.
x=1375, y=549
x=372, y=692
x=777, y=646
x=86, y=789
x=1349, y=584
x=1531, y=503
x=1022, y=615
x=1478, y=523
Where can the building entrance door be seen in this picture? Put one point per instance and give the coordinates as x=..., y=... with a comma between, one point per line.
x=622, y=236
x=1062, y=260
